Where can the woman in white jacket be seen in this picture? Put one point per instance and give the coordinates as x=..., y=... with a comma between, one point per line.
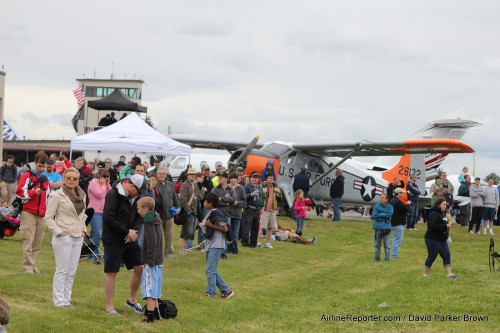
x=65, y=218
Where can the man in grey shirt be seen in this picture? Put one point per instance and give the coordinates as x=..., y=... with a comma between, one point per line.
x=8, y=177
x=169, y=197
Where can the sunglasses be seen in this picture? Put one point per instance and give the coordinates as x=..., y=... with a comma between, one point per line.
x=72, y=178
x=105, y=176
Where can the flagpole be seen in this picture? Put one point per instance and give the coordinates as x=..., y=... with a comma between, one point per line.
x=2, y=94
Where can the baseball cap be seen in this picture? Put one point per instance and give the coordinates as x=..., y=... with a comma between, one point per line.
x=101, y=164
x=141, y=183
x=119, y=163
x=254, y=175
x=49, y=161
x=224, y=174
x=398, y=190
x=239, y=169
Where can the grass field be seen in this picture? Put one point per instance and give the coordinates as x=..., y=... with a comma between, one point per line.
x=288, y=289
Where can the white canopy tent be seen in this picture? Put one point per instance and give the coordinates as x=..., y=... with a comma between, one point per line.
x=131, y=134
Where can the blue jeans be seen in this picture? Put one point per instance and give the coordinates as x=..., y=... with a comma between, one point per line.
x=435, y=247
x=412, y=216
x=235, y=225
x=300, y=224
x=399, y=231
x=336, y=209
x=377, y=241
x=95, y=234
x=213, y=277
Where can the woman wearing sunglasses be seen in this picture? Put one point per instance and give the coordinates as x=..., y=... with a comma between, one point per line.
x=65, y=218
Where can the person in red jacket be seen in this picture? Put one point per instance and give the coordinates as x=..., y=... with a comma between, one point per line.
x=35, y=190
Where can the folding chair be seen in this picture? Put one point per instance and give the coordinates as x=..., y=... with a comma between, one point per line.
x=493, y=256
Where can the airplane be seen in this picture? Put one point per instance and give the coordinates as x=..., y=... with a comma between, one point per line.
x=362, y=185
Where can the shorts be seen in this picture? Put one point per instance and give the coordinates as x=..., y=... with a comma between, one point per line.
x=489, y=213
x=114, y=254
x=269, y=220
x=189, y=227
x=151, y=281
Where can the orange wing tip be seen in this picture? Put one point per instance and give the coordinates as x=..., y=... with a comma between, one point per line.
x=441, y=145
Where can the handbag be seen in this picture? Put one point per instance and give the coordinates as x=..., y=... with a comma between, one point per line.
x=181, y=218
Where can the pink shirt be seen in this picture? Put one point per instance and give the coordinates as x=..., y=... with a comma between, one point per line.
x=97, y=194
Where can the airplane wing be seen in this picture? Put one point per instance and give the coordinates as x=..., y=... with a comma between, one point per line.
x=366, y=148
x=211, y=143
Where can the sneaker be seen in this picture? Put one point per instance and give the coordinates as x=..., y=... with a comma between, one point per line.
x=229, y=295
x=112, y=312
x=29, y=271
x=491, y=232
x=426, y=275
x=269, y=246
x=259, y=244
x=313, y=240
x=209, y=296
x=223, y=256
x=478, y=233
x=484, y=231
x=136, y=307
x=453, y=276
x=472, y=232
x=414, y=229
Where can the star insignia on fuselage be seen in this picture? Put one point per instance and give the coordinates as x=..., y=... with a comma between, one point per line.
x=368, y=188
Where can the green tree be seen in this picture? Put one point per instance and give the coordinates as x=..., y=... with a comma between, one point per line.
x=493, y=175
x=149, y=121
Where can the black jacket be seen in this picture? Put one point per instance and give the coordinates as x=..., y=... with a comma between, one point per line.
x=400, y=211
x=301, y=181
x=436, y=225
x=119, y=215
x=337, y=189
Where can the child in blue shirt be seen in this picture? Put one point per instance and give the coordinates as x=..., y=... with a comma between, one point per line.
x=214, y=246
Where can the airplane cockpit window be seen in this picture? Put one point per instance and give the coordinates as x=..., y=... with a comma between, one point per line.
x=276, y=148
x=291, y=157
x=180, y=163
x=314, y=165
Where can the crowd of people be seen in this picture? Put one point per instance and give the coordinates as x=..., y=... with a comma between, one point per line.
x=129, y=208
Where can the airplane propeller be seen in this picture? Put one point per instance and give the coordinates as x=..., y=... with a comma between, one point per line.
x=236, y=163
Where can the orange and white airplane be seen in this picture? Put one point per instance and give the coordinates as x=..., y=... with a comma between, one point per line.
x=363, y=182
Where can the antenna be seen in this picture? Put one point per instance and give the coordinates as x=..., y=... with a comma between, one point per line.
x=94, y=71
x=112, y=69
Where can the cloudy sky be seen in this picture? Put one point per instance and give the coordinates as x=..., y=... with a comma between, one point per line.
x=289, y=70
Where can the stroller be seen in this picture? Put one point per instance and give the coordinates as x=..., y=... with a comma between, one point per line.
x=9, y=221
x=89, y=247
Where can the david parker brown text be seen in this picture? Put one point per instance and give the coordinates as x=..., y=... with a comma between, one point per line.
x=409, y=317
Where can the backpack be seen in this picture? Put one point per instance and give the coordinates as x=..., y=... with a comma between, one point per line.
x=167, y=309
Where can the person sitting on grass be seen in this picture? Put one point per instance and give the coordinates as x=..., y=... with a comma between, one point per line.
x=152, y=256
x=288, y=234
x=4, y=315
x=214, y=246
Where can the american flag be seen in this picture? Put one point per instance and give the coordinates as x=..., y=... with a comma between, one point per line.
x=80, y=94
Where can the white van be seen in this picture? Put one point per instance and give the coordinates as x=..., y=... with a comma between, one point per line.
x=177, y=164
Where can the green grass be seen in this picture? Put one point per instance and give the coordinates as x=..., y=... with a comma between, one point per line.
x=287, y=289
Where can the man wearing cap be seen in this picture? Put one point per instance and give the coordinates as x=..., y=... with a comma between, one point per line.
x=476, y=202
x=121, y=225
x=398, y=220
x=54, y=178
x=188, y=199
x=118, y=167
x=413, y=195
x=251, y=214
x=336, y=193
x=215, y=180
x=463, y=191
x=169, y=198
x=8, y=178
x=227, y=197
x=436, y=185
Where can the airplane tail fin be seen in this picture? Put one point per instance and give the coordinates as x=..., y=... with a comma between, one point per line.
x=407, y=165
x=437, y=129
